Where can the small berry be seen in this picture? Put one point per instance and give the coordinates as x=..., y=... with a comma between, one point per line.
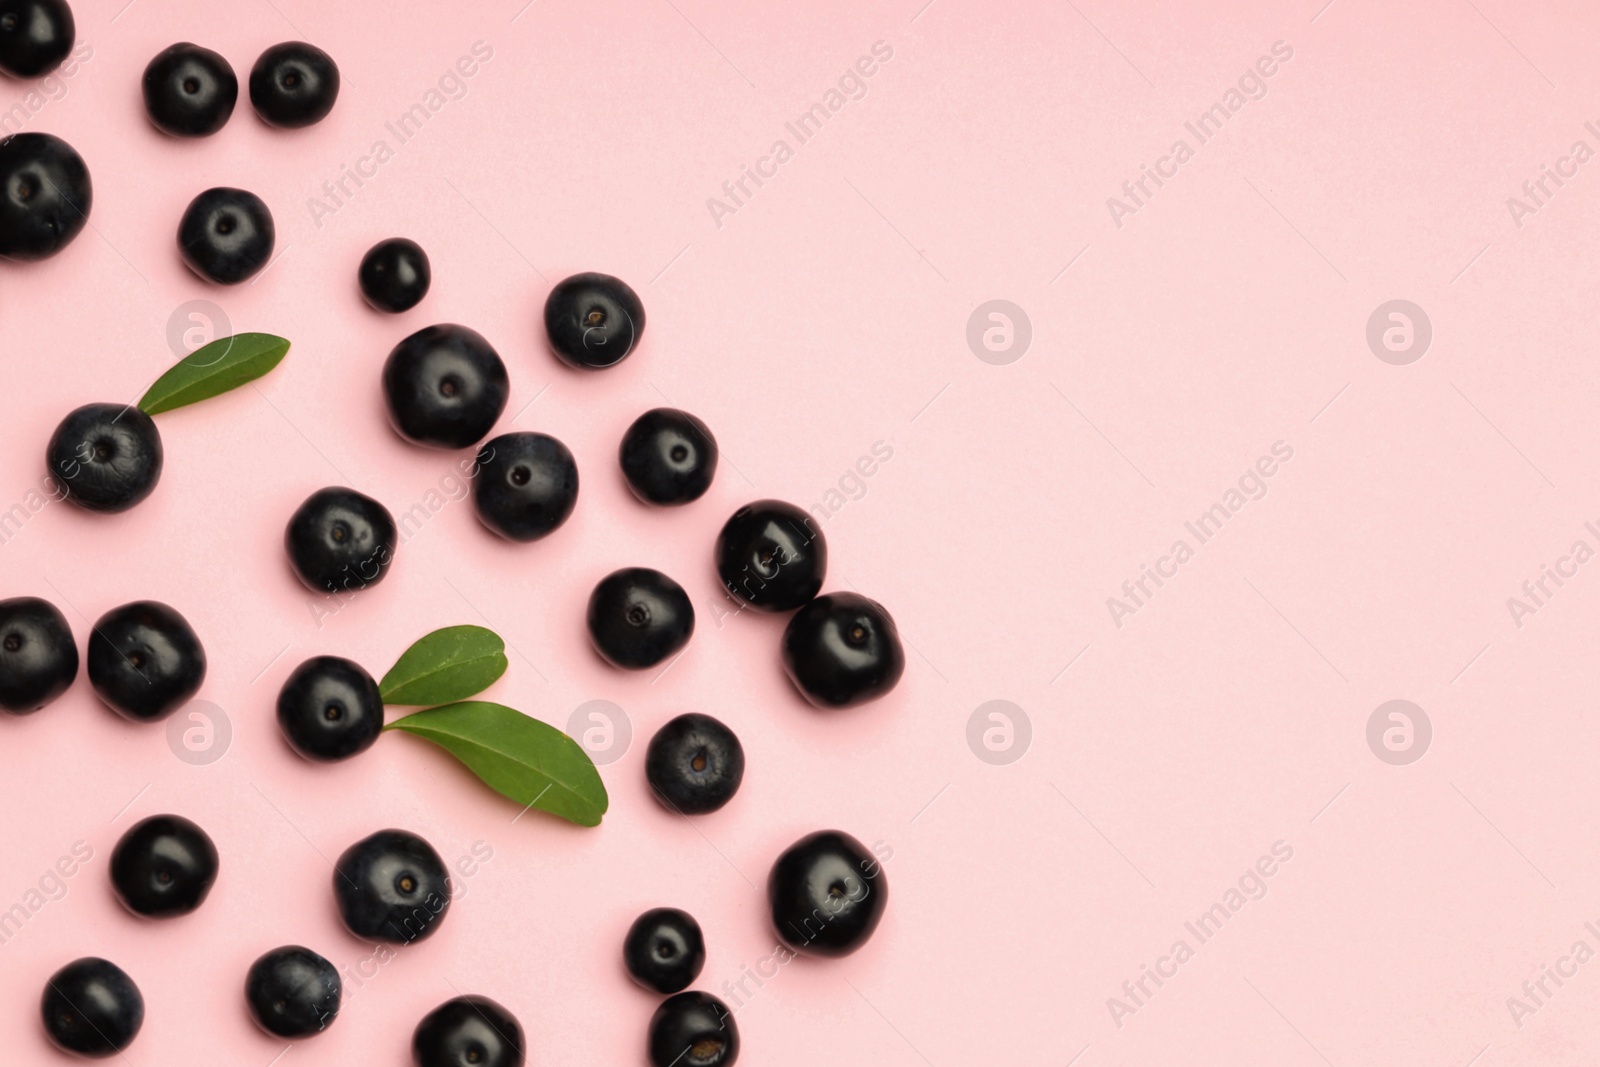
x=841, y=650
x=669, y=457
x=770, y=556
x=593, y=320
x=45, y=195
x=340, y=541
x=226, y=235
x=391, y=886
x=664, y=950
x=108, y=457
x=693, y=1029
x=526, y=485
x=91, y=1007
x=638, y=617
x=293, y=992
x=294, y=84
x=145, y=661
x=38, y=657
x=469, y=1031
x=330, y=709
x=445, y=386
x=826, y=893
x=163, y=866
x=394, y=275
x=189, y=91
x=694, y=764
x=35, y=36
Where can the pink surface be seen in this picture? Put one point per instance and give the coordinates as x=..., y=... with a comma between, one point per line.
x=827, y=314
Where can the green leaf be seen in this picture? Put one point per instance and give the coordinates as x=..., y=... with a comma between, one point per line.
x=519, y=757
x=213, y=369
x=449, y=664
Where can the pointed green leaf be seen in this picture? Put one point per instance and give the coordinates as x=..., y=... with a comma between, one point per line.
x=213, y=369
x=519, y=757
x=449, y=664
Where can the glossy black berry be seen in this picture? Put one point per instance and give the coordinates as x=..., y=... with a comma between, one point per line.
x=189, y=91
x=91, y=1008
x=35, y=36
x=638, y=617
x=827, y=894
x=340, y=541
x=693, y=1029
x=445, y=386
x=330, y=709
x=163, y=866
x=772, y=556
x=392, y=887
x=106, y=456
x=668, y=456
x=145, y=661
x=842, y=649
x=294, y=84
x=45, y=195
x=38, y=657
x=694, y=764
x=470, y=1031
x=526, y=485
x=226, y=235
x=395, y=275
x=593, y=320
x=292, y=992
x=664, y=950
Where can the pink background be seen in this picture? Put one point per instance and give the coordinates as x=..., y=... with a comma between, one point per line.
x=827, y=314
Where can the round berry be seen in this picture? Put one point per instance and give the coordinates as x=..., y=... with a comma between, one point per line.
x=771, y=557
x=226, y=235
x=468, y=1031
x=107, y=457
x=827, y=894
x=35, y=36
x=340, y=540
x=693, y=1029
x=526, y=485
x=45, y=195
x=394, y=275
x=841, y=650
x=163, y=866
x=664, y=950
x=391, y=886
x=294, y=84
x=638, y=617
x=330, y=709
x=668, y=457
x=145, y=661
x=694, y=764
x=593, y=320
x=91, y=1007
x=293, y=992
x=189, y=91
x=38, y=657
x=445, y=386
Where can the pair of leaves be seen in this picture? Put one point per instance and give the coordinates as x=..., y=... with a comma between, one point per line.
x=214, y=369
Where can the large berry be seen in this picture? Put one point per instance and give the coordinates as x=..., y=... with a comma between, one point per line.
x=693, y=1029
x=526, y=485
x=694, y=764
x=445, y=386
x=226, y=235
x=35, y=36
x=294, y=84
x=163, y=866
x=107, y=456
x=668, y=456
x=638, y=617
x=145, y=661
x=45, y=195
x=826, y=894
x=394, y=275
x=391, y=886
x=292, y=992
x=189, y=91
x=664, y=950
x=842, y=649
x=593, y=320
x=469, y=1031
x=330, y=709
x=340, y=540
x=91, y=1007
x=38, y=657
x=770, y=556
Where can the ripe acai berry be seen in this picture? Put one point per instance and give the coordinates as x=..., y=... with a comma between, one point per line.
x=330, y=709
x=91, y=1008
x=445, y=386
x=664, y=950
x=842, y=649
x=293, y=992
x=226, y=235
x=394, y=275
x=469, y=1031
x=35, y=36
x=340, y=540
x=668, y=456
x=45, y=195
x=391, y=886
x=638, y=617
x=145, y=660
x=770, y=556
x=526, y=485
x=593, y=320
x=294, y=84
x=189, y=91
x=827, y=893
x=38, y=657
x=108, y=457
x=163, y=866
x=693, y=1029
x=694, y=764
